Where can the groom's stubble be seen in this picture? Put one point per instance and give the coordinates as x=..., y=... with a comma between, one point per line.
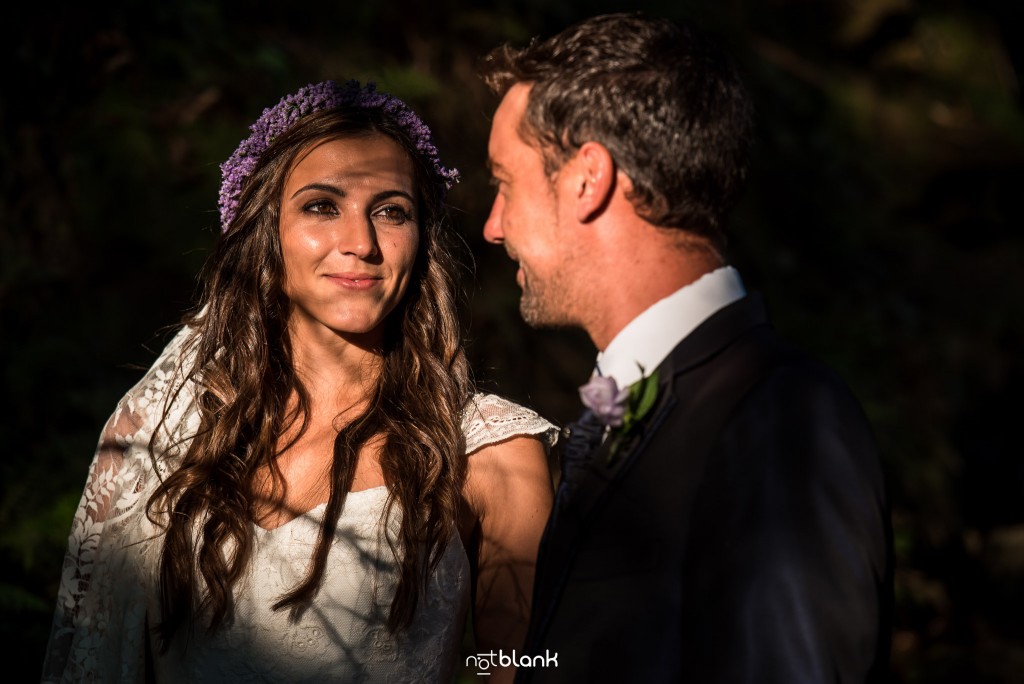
x=551, y=302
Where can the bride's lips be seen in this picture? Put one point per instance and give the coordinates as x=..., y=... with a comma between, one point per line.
x=354, y=281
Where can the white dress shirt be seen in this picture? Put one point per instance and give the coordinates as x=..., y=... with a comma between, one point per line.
x=652, y=335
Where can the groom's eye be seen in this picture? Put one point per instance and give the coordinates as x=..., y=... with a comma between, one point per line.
x=498, y=185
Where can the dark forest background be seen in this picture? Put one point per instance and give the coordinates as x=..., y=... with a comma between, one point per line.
x=883, y=223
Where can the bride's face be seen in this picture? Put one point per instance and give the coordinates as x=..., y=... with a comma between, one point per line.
x=349, y=235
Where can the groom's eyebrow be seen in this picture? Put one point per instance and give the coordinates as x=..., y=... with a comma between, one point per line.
x=493, y=166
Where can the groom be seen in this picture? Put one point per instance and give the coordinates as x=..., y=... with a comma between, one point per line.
x=725, y=518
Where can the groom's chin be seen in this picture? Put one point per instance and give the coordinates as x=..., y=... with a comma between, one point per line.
x=542, y=318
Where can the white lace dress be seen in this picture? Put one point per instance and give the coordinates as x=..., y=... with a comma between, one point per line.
x=108, y=591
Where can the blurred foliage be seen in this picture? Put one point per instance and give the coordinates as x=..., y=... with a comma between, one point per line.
x=882, y=222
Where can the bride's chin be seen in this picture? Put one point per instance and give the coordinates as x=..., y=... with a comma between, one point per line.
x=368, y=334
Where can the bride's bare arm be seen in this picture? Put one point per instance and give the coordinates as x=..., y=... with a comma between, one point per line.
x=510, y=493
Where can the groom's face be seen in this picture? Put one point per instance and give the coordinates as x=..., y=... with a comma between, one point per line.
x=528, y=218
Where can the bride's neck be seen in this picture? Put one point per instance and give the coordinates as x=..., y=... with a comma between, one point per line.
x=337, y=372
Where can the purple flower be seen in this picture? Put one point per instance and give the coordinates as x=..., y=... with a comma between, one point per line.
x=602, y=396
x=318, y=97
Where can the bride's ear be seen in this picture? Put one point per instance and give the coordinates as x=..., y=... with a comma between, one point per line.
x=596, y=180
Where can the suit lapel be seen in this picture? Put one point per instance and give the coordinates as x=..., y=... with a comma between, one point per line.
x=602, y=470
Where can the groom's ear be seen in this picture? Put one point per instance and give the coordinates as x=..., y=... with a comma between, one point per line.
x=596, y=182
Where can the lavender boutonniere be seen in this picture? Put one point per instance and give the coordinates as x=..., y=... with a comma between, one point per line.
x=621, y=410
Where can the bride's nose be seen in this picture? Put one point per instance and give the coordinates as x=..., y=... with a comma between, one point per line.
x=357, y=236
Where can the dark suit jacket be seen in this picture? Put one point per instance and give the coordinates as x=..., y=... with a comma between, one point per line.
x=744, y=537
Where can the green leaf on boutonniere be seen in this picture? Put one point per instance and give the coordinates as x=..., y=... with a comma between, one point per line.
x=642, y=395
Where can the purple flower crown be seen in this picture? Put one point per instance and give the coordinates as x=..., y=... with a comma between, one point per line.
x=319, y=97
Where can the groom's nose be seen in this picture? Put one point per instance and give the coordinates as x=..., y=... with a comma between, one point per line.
x=493, y=231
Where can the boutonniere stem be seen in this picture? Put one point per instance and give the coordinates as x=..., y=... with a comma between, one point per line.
x=621, y=410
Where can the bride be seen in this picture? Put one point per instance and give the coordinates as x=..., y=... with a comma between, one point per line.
x=305, y=486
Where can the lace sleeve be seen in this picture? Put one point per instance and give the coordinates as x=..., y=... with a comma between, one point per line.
x=488, y=419
x=98, y=632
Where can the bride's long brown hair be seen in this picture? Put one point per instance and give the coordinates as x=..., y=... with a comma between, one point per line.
x=244, y=378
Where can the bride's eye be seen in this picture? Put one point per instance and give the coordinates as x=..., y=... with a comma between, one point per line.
x=393, y=214
x=322, y=207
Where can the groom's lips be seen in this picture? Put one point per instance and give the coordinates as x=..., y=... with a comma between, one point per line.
x=520, y=274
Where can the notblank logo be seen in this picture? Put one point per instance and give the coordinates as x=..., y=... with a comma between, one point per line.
x=485, y=661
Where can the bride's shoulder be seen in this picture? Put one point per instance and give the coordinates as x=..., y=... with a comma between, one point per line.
x=490, y=418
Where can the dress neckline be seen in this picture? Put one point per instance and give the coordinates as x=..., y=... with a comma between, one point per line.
x=317, y=511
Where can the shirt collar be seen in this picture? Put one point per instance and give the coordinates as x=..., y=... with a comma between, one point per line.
x=651, y=336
